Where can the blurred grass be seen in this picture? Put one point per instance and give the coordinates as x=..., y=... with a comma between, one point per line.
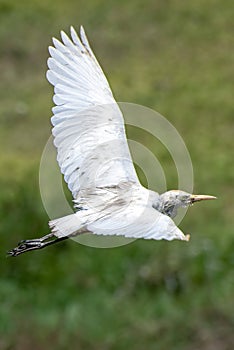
x=175, y=57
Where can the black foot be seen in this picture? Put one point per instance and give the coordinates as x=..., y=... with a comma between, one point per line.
x=33, y=244
x=25, y=246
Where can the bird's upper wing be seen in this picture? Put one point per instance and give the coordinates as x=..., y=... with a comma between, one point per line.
x=88, y=124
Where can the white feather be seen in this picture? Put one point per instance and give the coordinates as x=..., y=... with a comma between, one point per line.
x=93, y=153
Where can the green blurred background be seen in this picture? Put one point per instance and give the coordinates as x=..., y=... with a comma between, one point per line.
x=175, y=57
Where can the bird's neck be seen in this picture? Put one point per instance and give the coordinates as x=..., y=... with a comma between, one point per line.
x=165, y=207
x=170, y=211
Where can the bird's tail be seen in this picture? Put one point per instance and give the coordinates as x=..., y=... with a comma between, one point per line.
x=67, y=226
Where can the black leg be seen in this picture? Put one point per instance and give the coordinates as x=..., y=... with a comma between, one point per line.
x=33, y=244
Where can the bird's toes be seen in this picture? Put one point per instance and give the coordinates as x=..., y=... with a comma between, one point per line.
x=12, y=252
x=17, y=250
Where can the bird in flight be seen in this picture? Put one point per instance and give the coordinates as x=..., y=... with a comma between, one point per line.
x=93, y=155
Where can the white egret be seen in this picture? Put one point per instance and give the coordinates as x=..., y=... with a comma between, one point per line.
x=94, y=157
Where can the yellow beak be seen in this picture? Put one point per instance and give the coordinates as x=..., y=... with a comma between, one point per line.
x=201, y=197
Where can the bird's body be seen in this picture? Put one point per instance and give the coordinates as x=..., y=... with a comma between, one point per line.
x=93, y=155
x=126, y=209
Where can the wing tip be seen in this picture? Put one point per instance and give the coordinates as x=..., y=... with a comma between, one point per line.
x=82, y=29
x=83, y=37
x=186, y=237
x=55, y=41
x=72, y=30
x=62, y=33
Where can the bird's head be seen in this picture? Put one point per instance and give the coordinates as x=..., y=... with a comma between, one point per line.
x=172, y=200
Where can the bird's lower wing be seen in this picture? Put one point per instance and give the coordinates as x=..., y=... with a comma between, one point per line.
x=138, y=222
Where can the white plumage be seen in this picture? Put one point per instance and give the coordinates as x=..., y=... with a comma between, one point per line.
x=93, y=153
x=88, y=124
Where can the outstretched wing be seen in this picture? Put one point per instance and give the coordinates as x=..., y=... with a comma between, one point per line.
x=88, y=124
x=138, y=222
x=124, y=211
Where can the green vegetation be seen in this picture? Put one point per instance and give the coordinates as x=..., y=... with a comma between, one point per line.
x=175, y=57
